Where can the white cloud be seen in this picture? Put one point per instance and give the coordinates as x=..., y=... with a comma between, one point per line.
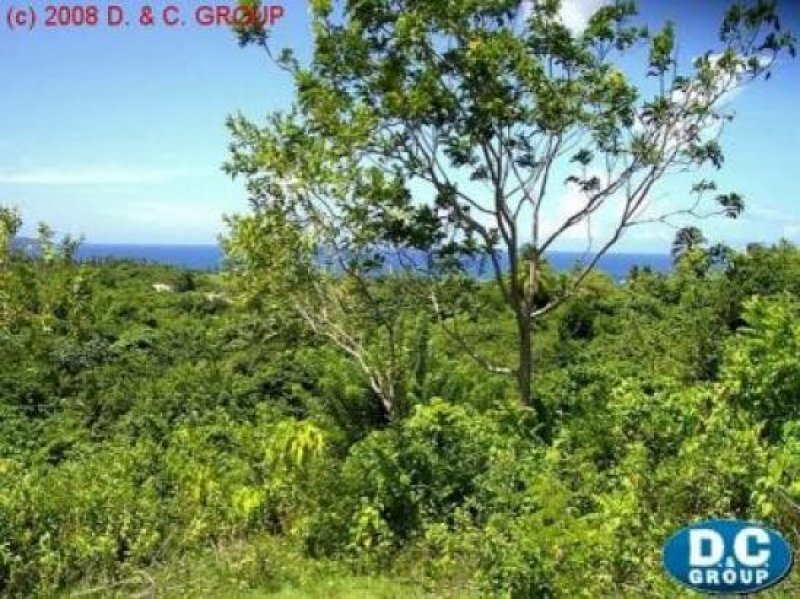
x=188, y=214
x=81, y=176
x=772, y=215
x=791, y=232
x=593, y=230
x=570, y=203
x=575, y=14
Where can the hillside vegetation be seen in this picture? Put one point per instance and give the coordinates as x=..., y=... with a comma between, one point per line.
x=195, y=443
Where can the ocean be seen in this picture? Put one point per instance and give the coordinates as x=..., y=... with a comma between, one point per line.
x=196, y=257
x=209, y=258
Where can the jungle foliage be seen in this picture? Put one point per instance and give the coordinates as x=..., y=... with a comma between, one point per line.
x=205, y=441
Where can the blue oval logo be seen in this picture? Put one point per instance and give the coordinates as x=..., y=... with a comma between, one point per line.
x=727, y=556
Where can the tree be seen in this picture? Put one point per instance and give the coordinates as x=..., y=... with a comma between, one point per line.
x=445, y=127
x=368, y=319
x=10, y=223
x=687, y=240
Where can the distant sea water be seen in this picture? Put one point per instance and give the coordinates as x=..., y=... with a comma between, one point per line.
x=196, y=257
x=209, y=258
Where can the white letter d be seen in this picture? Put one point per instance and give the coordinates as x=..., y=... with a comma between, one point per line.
x=705, y=538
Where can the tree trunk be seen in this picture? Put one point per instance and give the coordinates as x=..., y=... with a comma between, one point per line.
x=527, y=395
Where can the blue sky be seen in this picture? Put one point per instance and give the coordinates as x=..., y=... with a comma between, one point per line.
x=119, y=134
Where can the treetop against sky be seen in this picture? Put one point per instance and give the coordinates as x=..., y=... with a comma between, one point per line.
x=120, y=134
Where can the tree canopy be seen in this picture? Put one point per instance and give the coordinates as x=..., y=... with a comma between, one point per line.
x=453, y=129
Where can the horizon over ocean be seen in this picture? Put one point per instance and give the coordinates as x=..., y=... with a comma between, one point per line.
x=209, y=257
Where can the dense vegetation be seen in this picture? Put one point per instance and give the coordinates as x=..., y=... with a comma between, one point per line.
x=196, y=441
